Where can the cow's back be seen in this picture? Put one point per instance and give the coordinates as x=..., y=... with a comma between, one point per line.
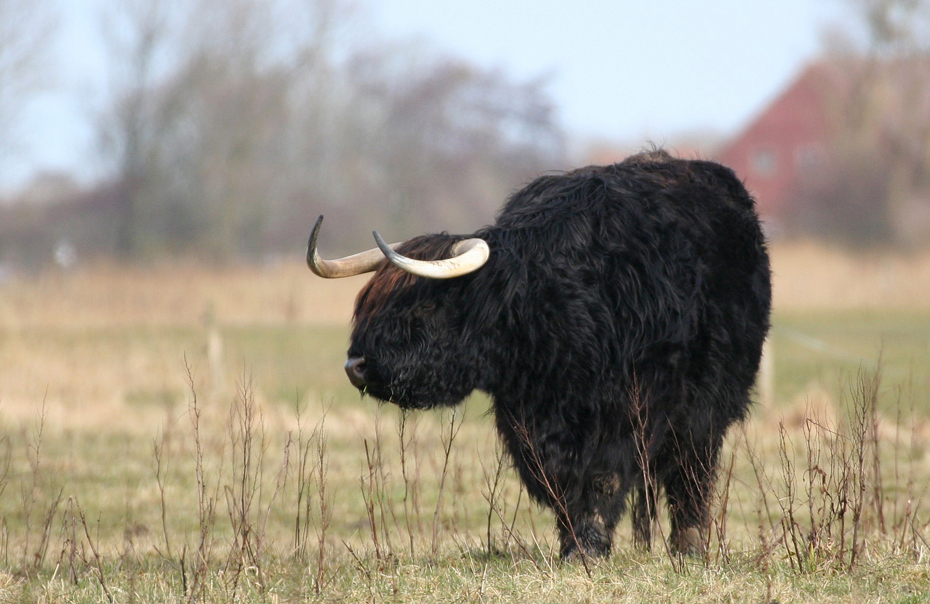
x=650, y=255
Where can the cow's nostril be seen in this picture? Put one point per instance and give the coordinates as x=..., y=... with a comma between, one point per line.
x=355, y=369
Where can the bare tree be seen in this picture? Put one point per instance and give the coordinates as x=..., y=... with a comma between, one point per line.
x=197, y=128
x=427, y=142
x=235, y=122
x=874, y=187
x=142, y=49
x=894, y=27
x=27, y=28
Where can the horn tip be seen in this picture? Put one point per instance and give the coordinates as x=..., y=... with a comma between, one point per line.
x=385, y=248
x=311, y=245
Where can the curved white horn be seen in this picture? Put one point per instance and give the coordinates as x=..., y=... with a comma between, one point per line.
x=468, y=256
x=364, y=262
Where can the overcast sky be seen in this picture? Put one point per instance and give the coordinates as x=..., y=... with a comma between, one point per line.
x=623, y=70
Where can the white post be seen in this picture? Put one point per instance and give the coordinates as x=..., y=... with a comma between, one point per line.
x=766, y=380
x=214, y=348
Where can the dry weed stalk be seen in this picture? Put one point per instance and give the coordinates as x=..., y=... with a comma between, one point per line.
x=769, y=539
x=98, y=565
x=906, y=527
x=363, y=568
x=493, y=482
x=864, y=436
x=378, y=507
x=493, y=493
x=312, y=468
x=840, y=511
x=161, y=473
x=448, y=438
x=324, y=506
x=206, y=503
x=34, y=557
x=304, y=481
x=72, y=547
x=796, y=553
x=6, y=460
x=411, y=500
x=246, y=431
x=368, y=496
x=645, y=512
x=828, y=496
x=536, y=466
x=721, y=518
x=372, y=495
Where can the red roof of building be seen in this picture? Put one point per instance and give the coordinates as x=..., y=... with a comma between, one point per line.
x=788, y=138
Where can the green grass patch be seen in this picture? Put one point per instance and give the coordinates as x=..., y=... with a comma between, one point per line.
x=109, y=488
x=826, y=350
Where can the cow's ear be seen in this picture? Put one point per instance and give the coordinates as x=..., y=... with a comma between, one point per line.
x=492, y=292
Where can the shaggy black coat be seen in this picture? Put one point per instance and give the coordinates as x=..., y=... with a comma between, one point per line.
x=617, y=326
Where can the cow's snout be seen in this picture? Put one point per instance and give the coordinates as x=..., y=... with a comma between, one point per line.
x=355, y=369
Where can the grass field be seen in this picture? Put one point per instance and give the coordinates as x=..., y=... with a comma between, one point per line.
x=182, y=434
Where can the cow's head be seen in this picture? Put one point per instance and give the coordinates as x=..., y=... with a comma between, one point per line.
x=411, y=344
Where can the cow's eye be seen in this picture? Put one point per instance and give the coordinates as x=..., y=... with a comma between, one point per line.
x=424, y=310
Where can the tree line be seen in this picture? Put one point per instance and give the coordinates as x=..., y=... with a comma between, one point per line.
x=231, y=124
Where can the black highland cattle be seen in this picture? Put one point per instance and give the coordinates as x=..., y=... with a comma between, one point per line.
x=615, y=315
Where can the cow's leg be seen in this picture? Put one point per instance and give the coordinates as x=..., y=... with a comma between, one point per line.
x=586, y=509
x=588, y=532
x=689, y=484
x=588, y=526
x=643, y=513
x=584, y=533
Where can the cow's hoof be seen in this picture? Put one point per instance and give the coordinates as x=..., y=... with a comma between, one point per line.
x=575, y=556
x=571, y=556
x=688, y=542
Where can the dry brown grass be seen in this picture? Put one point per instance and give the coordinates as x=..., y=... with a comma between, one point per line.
x=807, y=276
x=88, y=380
x=106, y=294
x=103, y=350
x=811, y=276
